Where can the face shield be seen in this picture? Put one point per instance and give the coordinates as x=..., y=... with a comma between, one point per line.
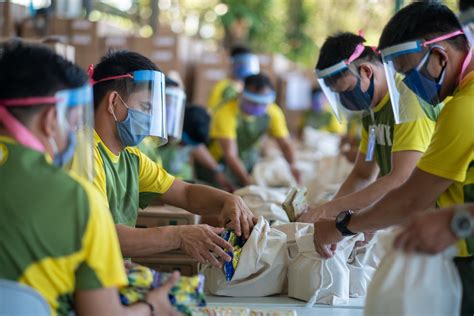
x=413, y=87
x=146, y=113
x=341, y=83
x=175, y=104
x=244, y=65
x=256, y=104
x=466, y=19
x=75, y=117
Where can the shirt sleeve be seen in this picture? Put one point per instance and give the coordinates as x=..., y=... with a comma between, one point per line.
x=224, y=122
x=102, y=266
x=216, y=94
x=451, y=148
x=415, y=135
x=277, y=127
x=364, y=141
x=152, y=177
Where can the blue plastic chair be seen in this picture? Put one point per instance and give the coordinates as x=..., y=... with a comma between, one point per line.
x=22, y=300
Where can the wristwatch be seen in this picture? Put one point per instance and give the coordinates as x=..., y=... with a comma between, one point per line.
x=462, y=223
x=342, y=220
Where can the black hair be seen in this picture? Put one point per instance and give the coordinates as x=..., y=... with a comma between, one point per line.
x=316, y=89
x=238, y=50
x=341, y=46
x=421, y=20
x=28, y=70
x=171, y=83
x=116, y=63
x=258, y=82
x=196, y=123
x=464, y=5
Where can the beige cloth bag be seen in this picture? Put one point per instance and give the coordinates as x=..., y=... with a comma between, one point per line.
x=265, y=201
x=273, y=172
x=415, y=284
x=364, y=260
x=316, y=280
x=261, y=270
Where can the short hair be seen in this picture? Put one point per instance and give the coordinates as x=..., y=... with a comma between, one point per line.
x=196, y=123
x=464, y=5
x=239, y=50
x=116, y=63
x=421, y=20
x=28, y=70
x=170, y=83
x=258, y=82
x=340, y=47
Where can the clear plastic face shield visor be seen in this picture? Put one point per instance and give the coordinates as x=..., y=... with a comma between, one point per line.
x=413, y=84
x=75, y=119
x=244, y=65
x=341, y=84
x=466, y=19
x=175, y=106
x=146, y=107
x=256, y=104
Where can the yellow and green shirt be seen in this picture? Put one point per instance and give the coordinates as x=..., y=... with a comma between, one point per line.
x=229, y=122
x=128, y=181
x=56, y=233
x=391, y=137
x=224, y=91
x=451, y=152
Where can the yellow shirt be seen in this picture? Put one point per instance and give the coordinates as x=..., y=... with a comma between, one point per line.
x=225, y=120
x=451, y=152
x=217, y=97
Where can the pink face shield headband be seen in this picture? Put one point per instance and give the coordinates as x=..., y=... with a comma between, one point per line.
x=90, y=72
x=15, y=128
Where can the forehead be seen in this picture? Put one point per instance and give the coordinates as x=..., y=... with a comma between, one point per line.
x=341, y=82
x=406, y=62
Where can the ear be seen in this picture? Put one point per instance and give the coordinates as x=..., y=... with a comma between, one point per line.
x=366, y=69
x=49, y=122
x=111, y=102
x=442, y=55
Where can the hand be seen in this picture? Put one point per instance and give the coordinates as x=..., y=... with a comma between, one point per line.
x=296, y=173
x=203, y=243
x=367, y=238
x=159, y=297
x=224, y=182
x=428, y=232
x=312, y=215
x=326, y=237
x=237, y=216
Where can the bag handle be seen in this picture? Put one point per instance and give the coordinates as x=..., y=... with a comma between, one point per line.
x=314, y=297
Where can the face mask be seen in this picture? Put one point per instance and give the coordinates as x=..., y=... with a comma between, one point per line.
x=356, y=99
x=253, y=109
x=317, y=102
x=134, y=128
x=63, y=158
x=424, y=86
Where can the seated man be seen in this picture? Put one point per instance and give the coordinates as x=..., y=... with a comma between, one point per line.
x=57, y=236
x=128, y=106
x=238, y=127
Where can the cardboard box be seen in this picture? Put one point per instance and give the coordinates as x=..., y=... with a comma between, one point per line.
x=158, y=216
x=10, y=15
x=62, y=49
x=205, y=78
x=86, y=42
x=112, y=43
x=169, y=262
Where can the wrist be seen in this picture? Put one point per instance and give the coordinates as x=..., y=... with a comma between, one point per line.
x=149, y=305
x=343, y=221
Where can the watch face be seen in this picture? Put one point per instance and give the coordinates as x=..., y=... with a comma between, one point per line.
x=464, y=224
x=340, y=217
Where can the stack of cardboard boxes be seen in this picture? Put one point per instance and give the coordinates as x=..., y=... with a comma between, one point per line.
x=10, y=15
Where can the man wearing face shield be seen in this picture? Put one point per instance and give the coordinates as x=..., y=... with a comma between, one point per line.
x=129, y=101
x=238, y=126
x=352, y=77
x=243, y=63
x=56, y=233
x=445, y=173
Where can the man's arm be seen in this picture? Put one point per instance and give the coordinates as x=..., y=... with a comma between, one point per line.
x=361, y=175
x=289, y=154
x=206, y=200
x=418, y=193
x=231, y=157
x=105, y=301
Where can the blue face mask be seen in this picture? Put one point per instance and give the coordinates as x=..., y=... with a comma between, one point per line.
x=63, y=158
x=356, y=99
x=425, y=86
x=134, y=128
